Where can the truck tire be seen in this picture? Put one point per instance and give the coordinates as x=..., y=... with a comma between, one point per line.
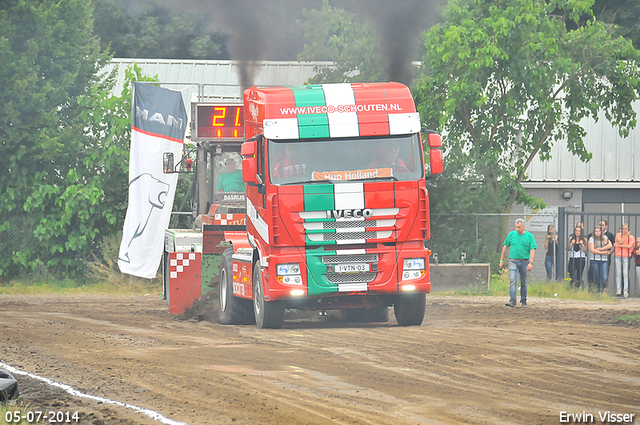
x=374, y=314
x=269, y=314
x=231, y=310
x=409, y=309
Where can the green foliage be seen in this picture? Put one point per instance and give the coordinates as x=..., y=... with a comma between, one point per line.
x=622, y=13
x=101, y=281
x=345, y=38
x=499, y=286
x=49, y=61
x=504, y=80
x=64, y=137
x=630, y=319
x=149, y=30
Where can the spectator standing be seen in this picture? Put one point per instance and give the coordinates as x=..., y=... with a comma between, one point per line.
x=577, y=247
x=637, y=251
x=605, y=226
x=521, y=254
x=638, y=262
x=624, y=244
x=551, y=245
x=599, y=246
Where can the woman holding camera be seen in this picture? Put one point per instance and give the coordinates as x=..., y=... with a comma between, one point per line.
x=551, y=245
x=599, y=248
x=577, y=247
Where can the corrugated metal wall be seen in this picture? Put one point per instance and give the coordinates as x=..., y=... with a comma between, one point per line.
x=615, y=159
x=215, y=80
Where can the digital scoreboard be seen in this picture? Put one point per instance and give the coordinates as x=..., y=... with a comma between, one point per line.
x=217, y=121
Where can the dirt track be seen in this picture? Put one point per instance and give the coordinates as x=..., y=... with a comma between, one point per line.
x=472, y=361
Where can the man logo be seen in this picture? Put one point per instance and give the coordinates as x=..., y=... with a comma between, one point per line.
x=355, y=213
x=143, y=114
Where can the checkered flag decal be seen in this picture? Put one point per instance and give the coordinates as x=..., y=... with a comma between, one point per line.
x=180, y=262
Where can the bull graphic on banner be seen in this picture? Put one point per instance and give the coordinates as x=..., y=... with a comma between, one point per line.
x=157, y=194
x=158, y=124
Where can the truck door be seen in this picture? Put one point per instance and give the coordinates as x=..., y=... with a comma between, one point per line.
x=254, y=174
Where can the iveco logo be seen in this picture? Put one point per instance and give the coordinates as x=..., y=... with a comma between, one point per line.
x=356, y=213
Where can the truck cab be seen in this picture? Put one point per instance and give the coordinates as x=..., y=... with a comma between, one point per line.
x=337, y=209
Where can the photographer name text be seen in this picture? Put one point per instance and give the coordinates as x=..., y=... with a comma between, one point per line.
x=606, y=417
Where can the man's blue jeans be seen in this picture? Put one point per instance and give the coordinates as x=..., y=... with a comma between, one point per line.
x=518, y=267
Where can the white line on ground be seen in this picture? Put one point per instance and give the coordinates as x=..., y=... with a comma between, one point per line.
x=69, y=389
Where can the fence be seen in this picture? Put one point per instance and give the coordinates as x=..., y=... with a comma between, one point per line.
x=16, y=233
x=478, y=238
x=567, y=224
x=455, y=238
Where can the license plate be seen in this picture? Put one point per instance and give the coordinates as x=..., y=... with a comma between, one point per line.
x=351, y=268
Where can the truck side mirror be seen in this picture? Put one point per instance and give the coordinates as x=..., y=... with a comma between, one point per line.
x=435, y=161
x=249, y=170
x=167, y=163
x=249, y=147
x=435, y=155
x=249, y=164
x=434, y=140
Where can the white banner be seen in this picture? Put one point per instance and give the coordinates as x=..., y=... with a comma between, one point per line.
x=158, y=124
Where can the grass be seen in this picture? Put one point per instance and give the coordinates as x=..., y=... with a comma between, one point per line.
x=19, y=408
x=104, y=280
x=632, y=320
x=544, y=289
x=101, y=280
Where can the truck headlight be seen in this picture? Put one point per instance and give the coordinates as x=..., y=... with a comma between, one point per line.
x=413, y=268
x=289, y=274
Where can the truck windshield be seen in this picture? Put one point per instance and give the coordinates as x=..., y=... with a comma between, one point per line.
x=335, y=160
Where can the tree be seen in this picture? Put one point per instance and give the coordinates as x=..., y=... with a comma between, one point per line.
x=623, y=13
x=345, y=38
x=505, y=79
x=149, y=30
x=63, y=139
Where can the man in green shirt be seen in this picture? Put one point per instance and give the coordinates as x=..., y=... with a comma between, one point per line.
x=521, y=253
x=231, y=181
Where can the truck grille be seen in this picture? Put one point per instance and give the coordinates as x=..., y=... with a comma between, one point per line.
x=364, y=277
x=349, y=224
x=354, y=258
x=351, y=277
x=349, y=236
x=380, y=226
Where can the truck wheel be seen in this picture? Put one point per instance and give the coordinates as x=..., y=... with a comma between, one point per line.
x=375, y=314
x=269, y=314
x=409, y=309
x=231, y=310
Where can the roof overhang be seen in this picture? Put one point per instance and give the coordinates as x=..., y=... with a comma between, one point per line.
x=581, y=185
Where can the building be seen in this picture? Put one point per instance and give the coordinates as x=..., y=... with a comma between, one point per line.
x=215, y=80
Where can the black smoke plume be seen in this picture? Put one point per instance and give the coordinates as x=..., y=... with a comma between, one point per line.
x=398, y=25
x=260, y=30
x=267, y=30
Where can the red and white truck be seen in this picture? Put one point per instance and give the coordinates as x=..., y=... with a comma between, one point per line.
x=337, y=208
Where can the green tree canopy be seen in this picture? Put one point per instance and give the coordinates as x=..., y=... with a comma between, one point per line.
x=149, y=30
x=623, y=13
x=345, y=38
x=505, y=79
x=63, y=139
